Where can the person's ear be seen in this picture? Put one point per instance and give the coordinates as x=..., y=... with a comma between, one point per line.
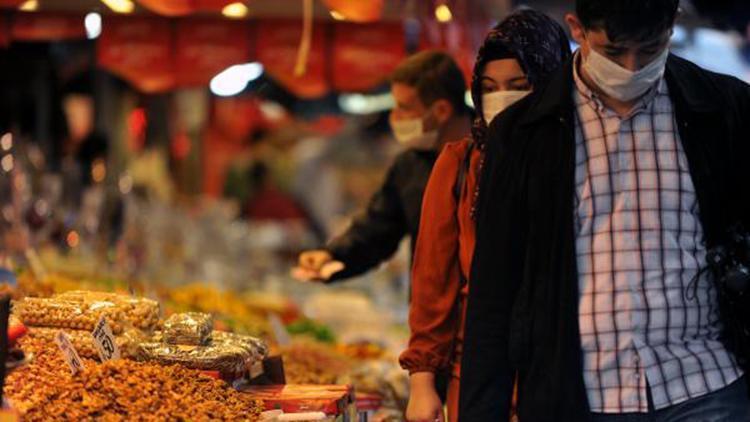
x=443, y=110
x=577, y=31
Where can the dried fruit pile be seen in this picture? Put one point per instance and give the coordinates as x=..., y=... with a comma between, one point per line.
x=306, y=362
x=120, y=390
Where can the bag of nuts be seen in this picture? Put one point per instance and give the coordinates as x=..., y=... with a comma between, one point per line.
x=191, y=328
x=229, y=354
x=82, y=340
x=82, y=310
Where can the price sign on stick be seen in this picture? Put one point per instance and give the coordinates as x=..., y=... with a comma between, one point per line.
x=69, y=352
x=104, y=341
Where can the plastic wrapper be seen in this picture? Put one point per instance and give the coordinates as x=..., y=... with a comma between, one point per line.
x=229, y=354
x=127, y=342
x=191, y=328
x=82, y=310
x=140, y=312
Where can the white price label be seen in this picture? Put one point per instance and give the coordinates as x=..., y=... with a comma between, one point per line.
x=104, y=341
x=69, y=352
x=256, y=370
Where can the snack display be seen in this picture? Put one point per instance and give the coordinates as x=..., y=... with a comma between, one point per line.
x=127, y=342
x=82, y=310
x=306, y=362
x=231, y=355
x=121, y=390
x=140, y=312
x=191, y=328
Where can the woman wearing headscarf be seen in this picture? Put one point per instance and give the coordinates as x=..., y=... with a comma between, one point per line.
x=518, y=55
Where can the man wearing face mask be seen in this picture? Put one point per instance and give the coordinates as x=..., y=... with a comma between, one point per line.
x=429, y=90
x=600, y=195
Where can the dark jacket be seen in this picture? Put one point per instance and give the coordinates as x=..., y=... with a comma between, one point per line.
x=393, y=212
x=523, y=302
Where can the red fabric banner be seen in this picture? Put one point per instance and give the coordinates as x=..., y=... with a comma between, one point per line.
x=10, y=4
x=357, y=10
x=139, y=50
x=453, y=39
x=47, y=27
x=278, y=42
x=365, y=55
x=205, y=47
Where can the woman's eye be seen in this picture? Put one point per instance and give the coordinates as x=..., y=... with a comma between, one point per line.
x=521, y=87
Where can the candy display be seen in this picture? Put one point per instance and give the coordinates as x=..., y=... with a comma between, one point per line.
x=192, y=328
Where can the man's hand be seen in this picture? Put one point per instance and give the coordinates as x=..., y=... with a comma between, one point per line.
x=424, y=403
x=317, y=266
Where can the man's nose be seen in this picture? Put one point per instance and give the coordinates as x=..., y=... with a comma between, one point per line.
x=630, y=61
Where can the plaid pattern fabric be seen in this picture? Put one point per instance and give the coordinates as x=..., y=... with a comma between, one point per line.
x=639, y=244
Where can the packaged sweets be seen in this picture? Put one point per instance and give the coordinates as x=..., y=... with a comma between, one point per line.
x=190, y=328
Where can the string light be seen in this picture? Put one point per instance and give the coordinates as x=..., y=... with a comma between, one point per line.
x=443, y=13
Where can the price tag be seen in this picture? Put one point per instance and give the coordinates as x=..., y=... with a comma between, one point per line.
x=256, y=370
x=104, y=341
x=69, y=352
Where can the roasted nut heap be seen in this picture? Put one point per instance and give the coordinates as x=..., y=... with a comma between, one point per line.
x=121, y=390
x=82, y=310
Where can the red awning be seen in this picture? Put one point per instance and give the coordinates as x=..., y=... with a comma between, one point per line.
x=47, y=27
x=205, y=47
x=278, y=42
x=365, y=55
x=139, y=50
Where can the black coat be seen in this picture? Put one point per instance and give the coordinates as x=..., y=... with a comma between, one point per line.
x=393, y=212
x=523, y=302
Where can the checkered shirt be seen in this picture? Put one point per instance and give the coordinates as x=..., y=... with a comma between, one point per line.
x=639, y=244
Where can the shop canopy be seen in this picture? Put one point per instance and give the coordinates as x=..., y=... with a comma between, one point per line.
x=172, y=44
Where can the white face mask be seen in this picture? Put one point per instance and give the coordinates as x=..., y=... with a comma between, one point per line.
x=620, y=83
x=495, y=102
x=410, y=133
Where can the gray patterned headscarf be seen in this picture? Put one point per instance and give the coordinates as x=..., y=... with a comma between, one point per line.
x=534, y=39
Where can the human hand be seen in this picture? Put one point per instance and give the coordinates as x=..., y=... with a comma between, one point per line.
x=424, y=402
x=316, y=266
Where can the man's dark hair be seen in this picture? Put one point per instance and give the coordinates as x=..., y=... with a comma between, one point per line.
x=435, y=75
x=628, y=20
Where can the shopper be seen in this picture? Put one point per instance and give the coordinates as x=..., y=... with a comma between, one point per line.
x=429, y=90
x=599, y=196
x=518, y=54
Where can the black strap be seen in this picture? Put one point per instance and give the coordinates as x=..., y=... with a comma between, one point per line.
x=461, y=175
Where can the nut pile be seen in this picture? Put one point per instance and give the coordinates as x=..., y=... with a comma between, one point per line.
x=192, y=328
x=121, y=390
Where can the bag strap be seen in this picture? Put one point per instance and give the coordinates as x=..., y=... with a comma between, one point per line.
x=463, y=169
